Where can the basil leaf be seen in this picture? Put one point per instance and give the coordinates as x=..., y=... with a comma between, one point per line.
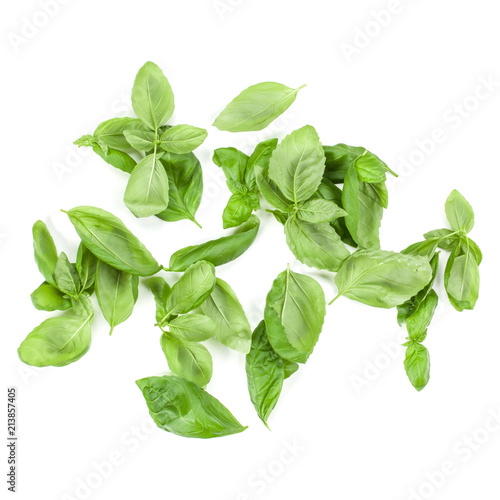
x=426, y=248
x=192, y=289
x=188, y=360
x=45, y=251
x=140, y=136
x=319, y=210
x=224, y=308
x=192, y=327
x=260, y=157
x=294, y=314
x=182, y=139
x=181, y=407
x=279, y=216
x=459, y=212
x=233, y=163
x=382, y=279
x=471, y=246
x=152, y=97
x=290, y=367
x=220, y=251
x=338, y=160
x=66, y=276
x=86, y=264
x=116, y=292
x=256, y=107
x=161, y=290
x=316, y=245
x=446, y=237
x=110, y=240
x=363, y=203
x=117, y=159
x=238, y=210
x=57, y=342
x=185, y=186
x=462, y=280
x=48, y=298
x=110, y=134
x=147, y=189
x=297, y=164
x=270, y=191
x=419, y=321
x=265, y=373
x=371, y=168
x=417, y=365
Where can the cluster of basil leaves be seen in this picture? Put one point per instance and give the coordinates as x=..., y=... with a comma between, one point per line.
x=328, y=198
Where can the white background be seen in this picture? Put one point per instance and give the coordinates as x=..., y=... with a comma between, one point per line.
x=359, y=428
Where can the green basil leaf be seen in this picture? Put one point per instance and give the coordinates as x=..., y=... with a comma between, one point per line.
x=459, y=212
x=294, y=314
x=140, y=136
x=182, y=139
x=111, y=241
x=116, y=292
x=447, y=238
x=417, y=365
x=270, y=191
x=110, y=134
x=224, y=308
x=237, y=211
x=220, y=251
x=192, y=289
x=462, y=280
x=290, y=367
x=420, y=320
x=316, y=245
x=45, y=251
x=382, y=279
x=152, y=97
x=57, y=342
x=256, y=107
x=233, y=163
x=191, y=361
x=181, y=407
x=147, y=189
x=192, y=327
x=117, y=159
x=265, y=373
x=82, y=305
x=260, y=157
x=297, y=164
x=371, y=168
x=86, y=264
x=48, y=298
x=363, y=203
x=471, y=246
x=279, y=216
x=185, y=186
x=426, y=248
x=86, y=141
x=320, y=210
x=161, y=290
x=66, y=276
x=338, y=160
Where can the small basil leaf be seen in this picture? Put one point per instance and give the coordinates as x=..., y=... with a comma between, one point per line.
x=260, y=157
x=270, y=191
x=256, y=107
x=181, y=407
x=45, y=251
x=320, y=210
x=233, y=163
x=338, y=160
x=66, y=276
x=417, y=365
x=48, y=298
x=447, y=238
x=462, y=283
x=237, y=211
x=426, y=248
x=192, y=327
x=117, y=159
x=182, y=139
x=86, y=263
x=110, y=240
x=161, y=290
x=294, y=314
x=110, y=134
x=220, y=251
x=140, y=137
x=290, y=367
x=420, y=320
x=471, y=246
x=371, y=168
x=459, y=212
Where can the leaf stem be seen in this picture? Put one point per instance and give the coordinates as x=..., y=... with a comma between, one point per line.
x=339, y=295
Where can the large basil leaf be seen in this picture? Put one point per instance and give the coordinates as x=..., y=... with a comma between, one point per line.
x=193, y=288
x=192, y=327
x=256, y=107
x=338, y=160
x=110, y=240
x=189, y=360
x=320, y=210
x=66, y=276
x=265, y=373
x=382, y=279
x=297, y=164
x=147, y=189
x=182, y=139
x=57, y=342
x=185, y=186
x=116, y=292
x=110, y=134
x=459, y=212
x=316, y=245
x=220, y=251
x=48, y=298
x=152, y=97
x=224, y=308
x=181, y=407
x=45, y=251
x=294, y=314
x=417, y=365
